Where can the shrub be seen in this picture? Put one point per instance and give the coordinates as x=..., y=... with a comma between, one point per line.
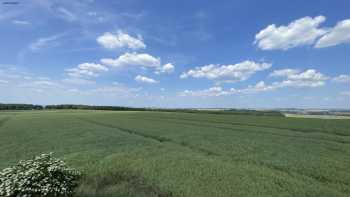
x=42, y=176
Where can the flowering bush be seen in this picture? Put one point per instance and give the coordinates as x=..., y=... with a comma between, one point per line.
x=42, y=176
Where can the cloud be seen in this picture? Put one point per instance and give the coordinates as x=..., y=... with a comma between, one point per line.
x=345, y=93
x=295, y=78
x=86, y=70
x=40, y=84
x=45, y=42
x=92, y=13
x=8, y=73
x=78, y=81
x=284, y=72
x=78, y=12
x=3, y=82
x=133, y=59
x=219, y=91
x=337, y=35
x=300, y=32
x=143, y=79
x=259, y=87
x=166, y=68
x=28, y=87
x=227, y=73
x=44, y=83
x=113, y=90
x=21, y=22
x=342, y=79
x=66, y=14
x=120, y=40
x=213, y=91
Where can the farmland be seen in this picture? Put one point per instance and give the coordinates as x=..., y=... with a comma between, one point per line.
x=317, y=116
x=130, y=153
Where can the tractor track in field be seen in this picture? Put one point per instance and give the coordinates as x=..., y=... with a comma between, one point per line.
x=153, y=137
x=4, y=120
x=264, y=126
x=235, y=158
x=194, y=123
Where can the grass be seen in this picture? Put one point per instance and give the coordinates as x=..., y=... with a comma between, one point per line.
x=186, y=154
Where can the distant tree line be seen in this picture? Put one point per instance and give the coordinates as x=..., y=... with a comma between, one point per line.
x=121, y=108
x=216, y=111
x=229, y=111
x=255, y=112
x=20, y=107
x=94, y=107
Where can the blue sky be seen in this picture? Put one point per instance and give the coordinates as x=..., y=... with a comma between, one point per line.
x=243, y=54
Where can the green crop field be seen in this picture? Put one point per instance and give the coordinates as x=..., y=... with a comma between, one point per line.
x=186, y=154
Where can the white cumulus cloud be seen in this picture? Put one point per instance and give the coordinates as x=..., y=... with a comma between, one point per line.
x=342, y=79
x=120, y=40
x=86, y=69
x=284, y=72
x=303, y=31
x=292, y=78
x=143, y=79
x=213, y=91
x=143, y=60
x=133, y=59
x=259, y=87
x=295, y=78
x=166, y=68
x=227, y=73
x=337, y=35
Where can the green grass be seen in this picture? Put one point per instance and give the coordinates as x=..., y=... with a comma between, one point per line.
x=185, y=154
